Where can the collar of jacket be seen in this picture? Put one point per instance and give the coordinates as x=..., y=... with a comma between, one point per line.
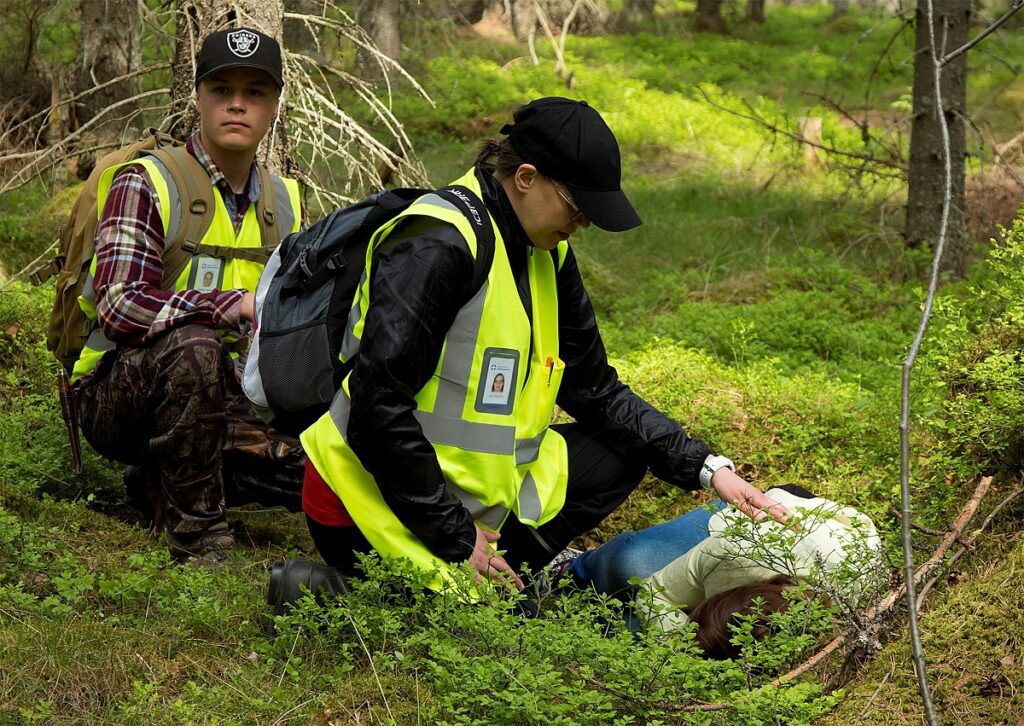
x=497, y=202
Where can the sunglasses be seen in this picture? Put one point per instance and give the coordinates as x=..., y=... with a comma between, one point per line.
x=577, y=214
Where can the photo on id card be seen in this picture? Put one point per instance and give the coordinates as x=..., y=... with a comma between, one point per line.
x=496, y=389
x=207, y=274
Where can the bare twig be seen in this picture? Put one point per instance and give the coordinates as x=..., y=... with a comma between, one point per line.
x=29, y=267
x=800, y=138
x=30, y=171
x=874, y=695
x=954, y=54
x=39, y=115
x=908, y=367
x=966, y=546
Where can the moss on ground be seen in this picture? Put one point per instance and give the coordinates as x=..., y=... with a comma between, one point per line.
x=972, y=634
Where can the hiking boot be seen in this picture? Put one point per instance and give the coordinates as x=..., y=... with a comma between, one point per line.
x=209, y=549
x=290, y=579
x=553, y=578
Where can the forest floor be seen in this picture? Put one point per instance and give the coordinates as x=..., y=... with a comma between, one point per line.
x=766, y=303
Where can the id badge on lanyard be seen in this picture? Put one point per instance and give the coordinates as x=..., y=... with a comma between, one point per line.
x=207, y=273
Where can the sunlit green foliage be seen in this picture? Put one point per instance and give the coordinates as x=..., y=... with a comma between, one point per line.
x=764, y=304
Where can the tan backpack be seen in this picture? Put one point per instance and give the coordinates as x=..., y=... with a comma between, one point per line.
x=69, y=327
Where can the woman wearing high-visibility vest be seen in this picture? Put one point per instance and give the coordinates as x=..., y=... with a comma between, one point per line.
x=426, y=454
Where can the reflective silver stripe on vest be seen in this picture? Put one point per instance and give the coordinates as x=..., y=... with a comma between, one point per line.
x=173, y=197
x=99, y=342
x=284, y=216
x=88, y=291
x=529, y=499
x=460, y=345
x=349, y=341
x=527, y=450
x=490, y=515
x=465, y=435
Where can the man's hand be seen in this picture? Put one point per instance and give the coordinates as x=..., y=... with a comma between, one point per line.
x=747, y=498
x=488, y=564
x=248, y=309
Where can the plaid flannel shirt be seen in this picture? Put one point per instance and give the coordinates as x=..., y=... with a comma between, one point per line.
x=132, y=308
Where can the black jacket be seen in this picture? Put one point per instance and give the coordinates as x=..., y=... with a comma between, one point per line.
x=420, y=280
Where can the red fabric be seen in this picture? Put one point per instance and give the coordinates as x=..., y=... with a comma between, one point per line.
x=320, y=502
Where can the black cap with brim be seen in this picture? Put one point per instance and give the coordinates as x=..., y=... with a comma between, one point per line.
x=609, y=210
x=239, y=48
x=569, y=142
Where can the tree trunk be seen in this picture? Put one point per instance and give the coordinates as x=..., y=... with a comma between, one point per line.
x=634, y=13
x=755, y=11
x=926, y=178
x=840, y=7
x=111, y=48
x=380, y=19
x=524, y=18
x=301, y=37
x=196, y=20
x=709, y=16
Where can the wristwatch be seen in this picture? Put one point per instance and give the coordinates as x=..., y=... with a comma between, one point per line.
x=712, y=465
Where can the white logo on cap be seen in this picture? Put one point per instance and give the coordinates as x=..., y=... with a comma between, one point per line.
x=243, y=43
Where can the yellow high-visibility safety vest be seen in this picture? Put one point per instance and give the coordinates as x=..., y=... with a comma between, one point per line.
x=486, y=410
x=230, y=273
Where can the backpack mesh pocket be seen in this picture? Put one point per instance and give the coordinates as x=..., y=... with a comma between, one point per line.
x=296, y=367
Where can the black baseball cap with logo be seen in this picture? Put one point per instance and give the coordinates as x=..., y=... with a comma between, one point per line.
x=239, y=48
x=569, y=142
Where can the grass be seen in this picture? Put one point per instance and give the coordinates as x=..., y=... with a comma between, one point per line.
x=763, y=304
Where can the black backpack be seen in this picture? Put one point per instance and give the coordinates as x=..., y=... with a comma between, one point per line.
x=306, y=292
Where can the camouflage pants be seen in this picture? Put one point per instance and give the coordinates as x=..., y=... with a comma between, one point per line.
x=176, y=408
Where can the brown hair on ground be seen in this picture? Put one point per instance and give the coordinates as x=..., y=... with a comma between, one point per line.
x=715, y=614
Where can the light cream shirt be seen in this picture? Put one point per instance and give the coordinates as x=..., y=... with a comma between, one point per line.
x=739, y=551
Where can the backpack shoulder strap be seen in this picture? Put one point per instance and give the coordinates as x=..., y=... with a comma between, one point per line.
x=466, y=201
x=197, y=208
x=266, y=205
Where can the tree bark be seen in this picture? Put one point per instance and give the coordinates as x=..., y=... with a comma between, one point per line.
x=381, y=20
x=196, y=20
x=298, y=36
x=755, y=11
x=709, y=16
x=111, y=47
x=634, y=13
x=524, y=18
x=926, y=178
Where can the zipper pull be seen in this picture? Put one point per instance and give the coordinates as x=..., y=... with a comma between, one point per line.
x=550, y=363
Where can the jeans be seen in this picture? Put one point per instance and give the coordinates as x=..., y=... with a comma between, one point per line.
x=609, y=568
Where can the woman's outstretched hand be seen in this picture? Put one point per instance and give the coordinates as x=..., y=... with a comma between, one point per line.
x=488, y=564
x=747, y=498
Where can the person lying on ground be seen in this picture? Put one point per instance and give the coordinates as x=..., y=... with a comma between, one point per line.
x=712, y=562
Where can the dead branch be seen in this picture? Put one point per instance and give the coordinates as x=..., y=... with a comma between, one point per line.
x=1002, y=149
x=969, y=544
x=953, y=55
x=799, y=138
x=39, y=115
x=29, y=171
x=29, y=267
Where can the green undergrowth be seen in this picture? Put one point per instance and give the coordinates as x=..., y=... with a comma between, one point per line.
x=765, y=305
